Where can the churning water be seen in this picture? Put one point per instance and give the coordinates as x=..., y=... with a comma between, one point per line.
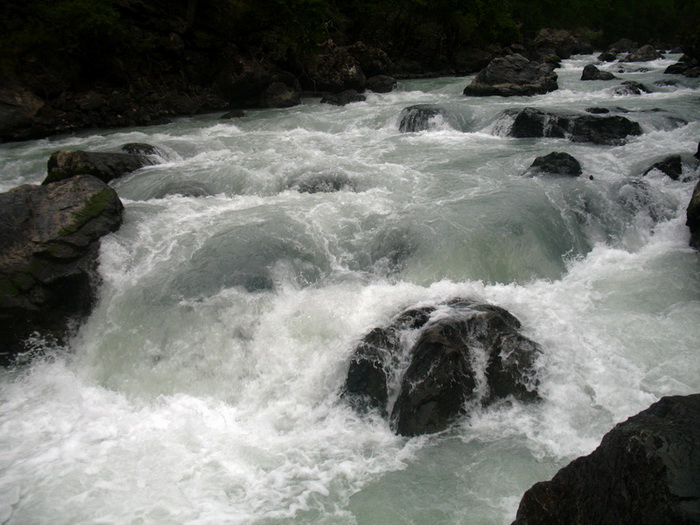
x=204, y=388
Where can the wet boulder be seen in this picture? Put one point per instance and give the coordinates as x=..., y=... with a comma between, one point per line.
x=591, y=72
x=423, y=117
x=643, y=54
x=630, y=87
x=513, y=75
x=693, y=218
x=344, y=98
x=534, y=123
x=50, y=238
x=105, y=166
x=465, y=355
x=672, y=166
x=646, y=470
x=418, y=117
x=556, y=163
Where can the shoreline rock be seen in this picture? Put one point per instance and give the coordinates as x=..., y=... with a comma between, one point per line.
x=50, y=237
x=646, y=470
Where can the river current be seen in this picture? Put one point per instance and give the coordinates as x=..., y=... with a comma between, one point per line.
x=204, y=387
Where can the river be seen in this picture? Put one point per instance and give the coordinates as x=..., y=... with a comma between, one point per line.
x=204, y=387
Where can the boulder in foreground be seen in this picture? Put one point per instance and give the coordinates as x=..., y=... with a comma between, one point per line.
x=646, y=470
x=50, y=238
x=513, y=75
x=466, y=355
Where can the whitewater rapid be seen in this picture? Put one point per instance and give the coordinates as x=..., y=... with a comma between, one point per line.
x=204, y=387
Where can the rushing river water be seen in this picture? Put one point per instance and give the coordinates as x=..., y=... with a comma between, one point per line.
x=204, y=388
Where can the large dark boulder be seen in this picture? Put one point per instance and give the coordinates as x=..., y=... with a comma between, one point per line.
x=646, y=470
x=590, y=72
x=49, y=235
x=105, y=166
x=556, y=163
x=643, y=54
x=513, y=75
x=671, y=166
x=693, y=218
x=466, y=354
x=534, y=123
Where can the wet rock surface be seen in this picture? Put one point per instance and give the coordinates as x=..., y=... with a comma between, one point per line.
x=513, y=75
x=106, y=166
x=533, y=123
x=556, y=163
x=465, y=355
x=50, y=239
x=646, y=470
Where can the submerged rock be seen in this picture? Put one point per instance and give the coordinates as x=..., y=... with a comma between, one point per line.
x=513, y=75
x=418, y=117
x=556, y=163
x=533, y=123
x=326, y=182
x=630, y=87
x=646, y=470
x=466, y=354
x=105, y=166
x=49, y=236
x=671, y=166
x=590, y=72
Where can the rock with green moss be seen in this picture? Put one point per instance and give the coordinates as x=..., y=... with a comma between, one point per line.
x=50, y=240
